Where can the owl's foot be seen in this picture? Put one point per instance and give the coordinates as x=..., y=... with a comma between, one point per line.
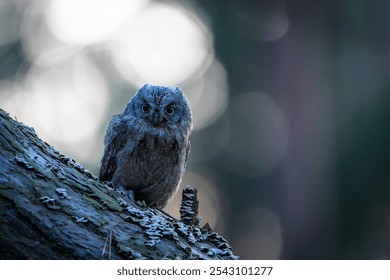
x=141, y=203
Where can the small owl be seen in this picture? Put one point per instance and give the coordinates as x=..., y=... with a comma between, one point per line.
x=146, y=147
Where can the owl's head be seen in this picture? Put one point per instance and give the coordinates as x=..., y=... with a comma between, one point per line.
x=160, y=106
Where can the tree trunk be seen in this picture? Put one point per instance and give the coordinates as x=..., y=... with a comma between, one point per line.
x=53, y=208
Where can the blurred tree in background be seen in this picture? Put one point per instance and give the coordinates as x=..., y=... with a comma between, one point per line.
x=291, y=105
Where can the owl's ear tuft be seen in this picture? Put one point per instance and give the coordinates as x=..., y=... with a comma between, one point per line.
x=144, y=87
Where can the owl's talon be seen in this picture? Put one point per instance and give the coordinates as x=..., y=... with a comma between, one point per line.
x=141, y=203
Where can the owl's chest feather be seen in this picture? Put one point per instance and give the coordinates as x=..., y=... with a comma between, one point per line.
x=155, y=152
x=152, y=161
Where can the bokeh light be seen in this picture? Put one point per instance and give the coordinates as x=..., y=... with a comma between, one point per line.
x=38, y=43
x=65, y=103
x=89, y=22
x=165, y=45
x=259, y=139
x=208, y=95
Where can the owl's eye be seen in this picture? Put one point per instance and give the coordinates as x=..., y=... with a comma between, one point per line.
x=169, y=110
x=145, y=107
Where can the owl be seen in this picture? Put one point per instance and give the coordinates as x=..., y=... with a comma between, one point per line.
x=147, y=146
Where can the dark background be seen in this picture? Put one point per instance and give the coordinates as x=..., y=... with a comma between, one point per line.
x=290, y=150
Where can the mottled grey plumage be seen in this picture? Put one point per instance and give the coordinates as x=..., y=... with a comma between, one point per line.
x=146, y=147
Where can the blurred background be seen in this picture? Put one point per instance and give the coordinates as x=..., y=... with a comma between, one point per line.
x=291, y=141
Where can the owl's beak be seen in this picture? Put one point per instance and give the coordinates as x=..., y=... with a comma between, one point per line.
x=155, y=118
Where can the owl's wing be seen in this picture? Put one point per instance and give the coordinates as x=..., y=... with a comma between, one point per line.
x=114, y=141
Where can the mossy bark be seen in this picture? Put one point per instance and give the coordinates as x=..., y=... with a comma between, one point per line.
x=53, y=208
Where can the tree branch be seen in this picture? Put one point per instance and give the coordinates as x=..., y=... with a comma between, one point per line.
x=53, y=208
